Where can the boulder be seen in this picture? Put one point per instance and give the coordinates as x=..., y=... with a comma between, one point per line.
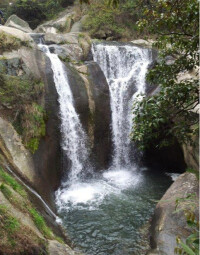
x=76, y=46
x=78, y=26
x=16, y=22
x=16, y=33
x=69, y=52
x=20, y=62
x=69, y=38
x=143, y=43
x=168, y=223
x=191, y=153
x=16, y=154
x=54, y=247
x=62, y=24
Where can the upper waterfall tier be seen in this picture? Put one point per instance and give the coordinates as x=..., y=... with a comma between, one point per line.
x=125, y=67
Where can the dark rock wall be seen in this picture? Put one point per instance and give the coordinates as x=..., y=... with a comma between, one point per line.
x=101, y=117
x=48, y=157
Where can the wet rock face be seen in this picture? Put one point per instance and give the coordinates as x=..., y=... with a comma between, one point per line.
x=168, y=224
x=101, y=117
x=47, y=158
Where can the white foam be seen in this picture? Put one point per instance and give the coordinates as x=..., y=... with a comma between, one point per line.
x=121, y=178
x=91, y=194
x=174, y=176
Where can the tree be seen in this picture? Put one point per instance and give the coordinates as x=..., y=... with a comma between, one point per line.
x=169, y=115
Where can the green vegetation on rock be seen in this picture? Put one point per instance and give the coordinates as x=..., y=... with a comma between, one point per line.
x=14, y=232
x=9, y=42
x=40, y=223
x=21, y=96
x=9, y=180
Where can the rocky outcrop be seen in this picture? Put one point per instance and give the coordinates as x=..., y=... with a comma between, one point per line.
x=16, y=22
x=78, y=26
x=62, y=24
x=16, y=33
x=168, y=223
x=143, y=43
x=102, y=132
x=54, y=247
x=71, y=46
x=31, y=62
x=16, y=154
x=191, y=154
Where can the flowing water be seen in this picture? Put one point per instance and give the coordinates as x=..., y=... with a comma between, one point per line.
x=104, y=215
x=125, y=67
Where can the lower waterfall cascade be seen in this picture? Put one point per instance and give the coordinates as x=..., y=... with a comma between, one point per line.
x=103, y=215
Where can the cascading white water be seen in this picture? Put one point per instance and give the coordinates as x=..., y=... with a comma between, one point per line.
x=125, y=67
x=74, y=141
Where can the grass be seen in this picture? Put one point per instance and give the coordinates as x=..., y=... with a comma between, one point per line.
x=16, y=238
x=40, y=223
x=11, y=182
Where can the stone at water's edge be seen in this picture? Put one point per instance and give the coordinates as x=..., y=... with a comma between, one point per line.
x=168, y=224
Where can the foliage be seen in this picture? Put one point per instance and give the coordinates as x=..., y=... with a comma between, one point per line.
x=37, y=11
x=105, y=21
x=9, y=42
x=40, y=223
x=191, y=245
x=22, y=95
x=169, y=115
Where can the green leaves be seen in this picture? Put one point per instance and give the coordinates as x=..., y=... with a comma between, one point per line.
x=170, y=114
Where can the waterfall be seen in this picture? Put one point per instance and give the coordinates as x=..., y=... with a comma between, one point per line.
x=125, y=67
x=74, y=140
